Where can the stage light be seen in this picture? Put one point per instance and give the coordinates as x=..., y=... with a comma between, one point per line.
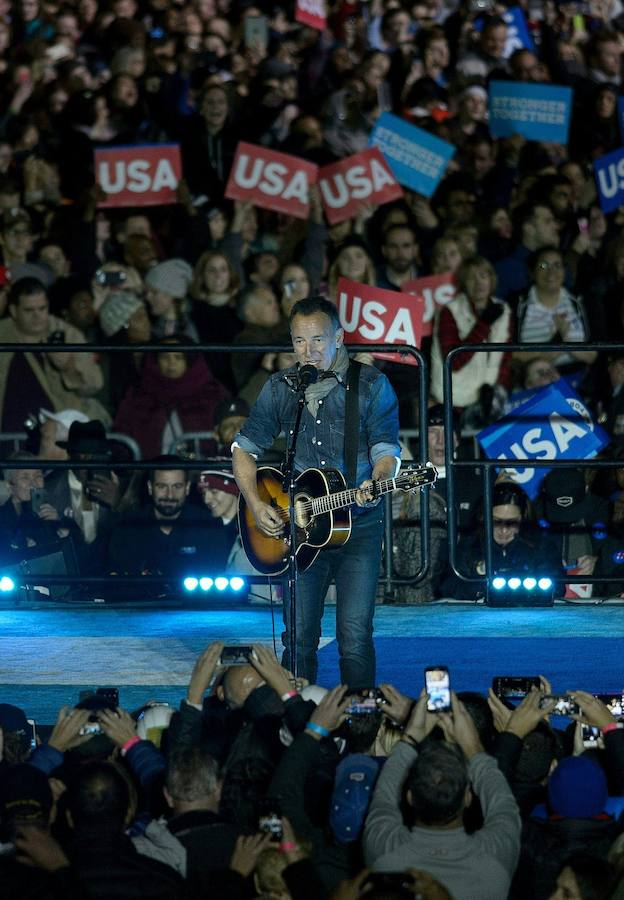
x=221, y=583
x=529, y=584
x=6, y=584
x=237, y=583
x=190, y=584
x=206, y=583
x=545, y=584
x=513, y=583
x=498, y=583
x=520, y=590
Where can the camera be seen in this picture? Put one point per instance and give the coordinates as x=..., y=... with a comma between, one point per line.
x=109, y=279
x=514, y=687
x=565, y=705
x=270, y=819
x=366, y=701
x=237, y=655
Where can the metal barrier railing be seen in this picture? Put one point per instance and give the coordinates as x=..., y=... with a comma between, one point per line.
x=491, y=465
x=388, y=578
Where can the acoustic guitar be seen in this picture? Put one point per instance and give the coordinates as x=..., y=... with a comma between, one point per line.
x=322, y=515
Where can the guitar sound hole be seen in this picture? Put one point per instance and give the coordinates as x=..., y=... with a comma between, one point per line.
x=302, y=516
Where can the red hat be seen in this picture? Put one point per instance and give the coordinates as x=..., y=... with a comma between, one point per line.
x=218, y=481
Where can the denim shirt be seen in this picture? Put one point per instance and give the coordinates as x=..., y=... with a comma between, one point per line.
x=321, y=438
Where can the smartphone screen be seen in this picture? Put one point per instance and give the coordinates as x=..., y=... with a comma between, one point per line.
x=256, y=31
x=438, y=685
x=270, y=819
x=33, y=733
x=237, y=655
x=591, y=736
x=514, y=687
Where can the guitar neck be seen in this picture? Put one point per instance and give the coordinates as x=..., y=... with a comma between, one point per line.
x=346, y=498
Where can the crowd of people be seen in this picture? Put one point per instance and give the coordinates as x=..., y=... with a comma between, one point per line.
x=518, y=223
x=261, y=785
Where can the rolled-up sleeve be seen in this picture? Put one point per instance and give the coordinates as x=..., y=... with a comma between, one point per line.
x=382, y=422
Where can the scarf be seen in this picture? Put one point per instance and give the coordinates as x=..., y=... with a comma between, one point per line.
x=327, y=380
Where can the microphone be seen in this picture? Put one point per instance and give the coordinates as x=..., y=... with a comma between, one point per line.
x=307, y=375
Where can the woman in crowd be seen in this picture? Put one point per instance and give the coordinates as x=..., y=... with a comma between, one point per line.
x=214, y=290
x=176, y=393
x=167, y=286
x=124, y=320
x=550, y=314
x=516, y=547
x=352, y=261
x=475, y=316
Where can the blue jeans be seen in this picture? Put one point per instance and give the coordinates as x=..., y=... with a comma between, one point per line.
x=355, y=569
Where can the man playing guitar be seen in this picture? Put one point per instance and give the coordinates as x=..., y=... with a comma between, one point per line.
x=317, y=339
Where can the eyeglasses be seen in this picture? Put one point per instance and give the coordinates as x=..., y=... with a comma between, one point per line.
x=507, y=523
x=545, y=265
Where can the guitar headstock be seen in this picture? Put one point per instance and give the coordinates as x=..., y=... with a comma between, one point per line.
x=414, y=477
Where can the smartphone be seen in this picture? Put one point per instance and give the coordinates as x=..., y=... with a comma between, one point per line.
x=591, y=736
x=365, y=702
x=33, y=733
x=514, y=687
x=110, y=279
x=270, y=818
x=256, y=31
x=399, y=884
x=438, y=685
x=237, y=655
x=38, y=496
x=583, y=224
x=91, y=728
x=289, y=287
x=110, y=694
x=565, y=706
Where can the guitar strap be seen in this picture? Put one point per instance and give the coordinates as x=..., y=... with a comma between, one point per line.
x=352, y=421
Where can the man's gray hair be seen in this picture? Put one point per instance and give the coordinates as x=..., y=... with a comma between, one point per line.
x=192, y=774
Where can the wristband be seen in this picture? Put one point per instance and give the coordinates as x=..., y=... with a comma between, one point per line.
x=612, y=726
x=288, y=696
x=318, y=729
x=287, y=847
x=129, y=744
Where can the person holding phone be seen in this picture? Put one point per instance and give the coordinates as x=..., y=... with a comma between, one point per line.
x=28, y=521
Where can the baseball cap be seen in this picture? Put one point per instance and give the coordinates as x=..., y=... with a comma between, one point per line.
x=12, y=718
x=565, y=496
x=228, y=408
x=577, y=789
x=24, y=795
x=353, y=789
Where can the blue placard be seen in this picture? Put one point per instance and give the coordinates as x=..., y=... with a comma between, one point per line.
x=609, y=172
x=539, y=112
x=417, y=159
x=552, y=424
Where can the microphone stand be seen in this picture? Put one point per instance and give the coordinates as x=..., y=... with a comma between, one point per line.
x=288, y=484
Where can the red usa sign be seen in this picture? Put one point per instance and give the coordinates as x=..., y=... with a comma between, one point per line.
x=372, y=315
x=435, y=290
x=312, y=13
x=142, y=175
x=271, y=180
x=356, y=181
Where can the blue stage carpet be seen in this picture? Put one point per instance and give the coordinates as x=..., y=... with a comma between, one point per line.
x=48, y=656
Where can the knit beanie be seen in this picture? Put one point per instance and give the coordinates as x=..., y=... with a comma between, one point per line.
x=117, y=310
x=218, y=481
x=172, y=277
x=577, y=789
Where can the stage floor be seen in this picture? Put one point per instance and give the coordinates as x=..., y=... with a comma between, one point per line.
x=48, y=655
